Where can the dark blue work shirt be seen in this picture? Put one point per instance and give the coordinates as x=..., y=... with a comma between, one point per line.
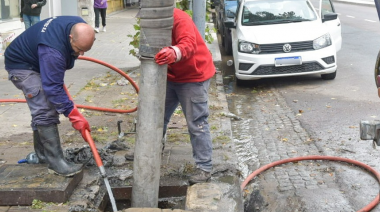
x=45, y=48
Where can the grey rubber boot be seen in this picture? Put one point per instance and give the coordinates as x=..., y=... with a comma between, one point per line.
x=200, y=176
x=50, y=140
x=38, y=148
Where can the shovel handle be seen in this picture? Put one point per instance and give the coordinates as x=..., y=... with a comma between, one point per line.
x=91, y=142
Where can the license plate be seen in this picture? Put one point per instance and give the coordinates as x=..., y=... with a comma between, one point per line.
x=288, y=61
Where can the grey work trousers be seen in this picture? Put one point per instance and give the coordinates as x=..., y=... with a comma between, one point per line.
x=29, y=82
x=193, y=98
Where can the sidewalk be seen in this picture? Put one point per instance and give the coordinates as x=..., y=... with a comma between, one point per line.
x=222, y=194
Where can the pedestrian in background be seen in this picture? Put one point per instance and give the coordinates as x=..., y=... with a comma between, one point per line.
x=30, y=11
x=36, y=62
x=190, y=67
x=100, y=6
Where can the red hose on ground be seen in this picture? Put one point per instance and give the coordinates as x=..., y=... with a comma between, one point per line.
x=369, y=207
x=95, y=152
x=92, y=107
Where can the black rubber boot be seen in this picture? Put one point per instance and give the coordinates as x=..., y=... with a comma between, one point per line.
x=38, y=148
x=49, y=137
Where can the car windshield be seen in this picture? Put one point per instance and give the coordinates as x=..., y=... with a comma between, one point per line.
x=276, y=12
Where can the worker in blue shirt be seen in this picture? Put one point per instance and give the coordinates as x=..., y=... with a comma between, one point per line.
x=36, y=62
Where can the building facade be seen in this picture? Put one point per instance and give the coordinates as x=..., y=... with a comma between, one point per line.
x=11, y=25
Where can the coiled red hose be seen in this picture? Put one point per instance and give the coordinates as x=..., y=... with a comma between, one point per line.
x=369, y=207
x=92, y=107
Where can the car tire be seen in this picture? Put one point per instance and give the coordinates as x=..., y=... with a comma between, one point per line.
x=330, y=76
x=222, y=35
x=227, y=43
x=239, y=82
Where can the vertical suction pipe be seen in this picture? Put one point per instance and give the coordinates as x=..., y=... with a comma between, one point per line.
x=156, y=23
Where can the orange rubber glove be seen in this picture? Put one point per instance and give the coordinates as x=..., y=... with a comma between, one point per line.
x=79, y=122
x=167, y=55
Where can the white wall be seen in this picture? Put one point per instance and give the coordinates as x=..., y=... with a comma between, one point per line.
x=52, y=8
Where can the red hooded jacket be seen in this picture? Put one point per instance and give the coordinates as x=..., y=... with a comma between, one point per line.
x=196, y=64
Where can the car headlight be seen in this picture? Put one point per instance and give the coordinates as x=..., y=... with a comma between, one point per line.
x=248, y=47
x=322, y=42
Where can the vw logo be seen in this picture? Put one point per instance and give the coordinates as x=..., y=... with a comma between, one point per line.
x=287, y=47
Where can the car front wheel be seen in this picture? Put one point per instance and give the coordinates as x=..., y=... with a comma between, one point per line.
x=240, y=82
x=330, y=76
x=228, y=43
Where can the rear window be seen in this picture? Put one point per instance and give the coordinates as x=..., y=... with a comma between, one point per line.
x=277, y=11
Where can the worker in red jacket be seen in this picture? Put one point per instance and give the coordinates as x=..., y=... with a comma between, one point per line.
x=190, y=67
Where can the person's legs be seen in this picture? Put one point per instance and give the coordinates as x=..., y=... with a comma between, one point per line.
x=27, y=21
x=96, y=10
x=171, y=103
x=34, y=20
x=42, y=111
x=103, y=13
x=38, y=147
x=44, y=122
x=57, y=163
x=194, y=101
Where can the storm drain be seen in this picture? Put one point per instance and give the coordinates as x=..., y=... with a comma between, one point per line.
x=170, y=197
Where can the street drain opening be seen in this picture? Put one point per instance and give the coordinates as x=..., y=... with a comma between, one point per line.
x=169, y=197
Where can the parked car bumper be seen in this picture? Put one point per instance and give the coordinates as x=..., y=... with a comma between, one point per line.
x=256, y=66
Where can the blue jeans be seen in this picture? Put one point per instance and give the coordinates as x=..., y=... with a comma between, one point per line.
x=193, y=98
x=42, y=111
x=30, y=20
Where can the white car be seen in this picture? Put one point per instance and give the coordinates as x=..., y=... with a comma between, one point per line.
x=278, y=38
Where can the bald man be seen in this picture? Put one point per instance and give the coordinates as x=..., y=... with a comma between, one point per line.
x=36, y=62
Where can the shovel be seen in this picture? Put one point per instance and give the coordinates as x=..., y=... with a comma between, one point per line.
x=99, y=163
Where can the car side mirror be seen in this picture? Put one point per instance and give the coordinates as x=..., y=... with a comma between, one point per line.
x=230, y=14
x=329, y=17
x=216, y=2
x=377, y=72
x=230, y=24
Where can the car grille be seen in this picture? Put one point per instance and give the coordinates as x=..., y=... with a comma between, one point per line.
x=270, y=70
x=277, y=47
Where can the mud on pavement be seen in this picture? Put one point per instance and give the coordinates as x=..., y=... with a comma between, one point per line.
x=110, y=90
x=270, y=131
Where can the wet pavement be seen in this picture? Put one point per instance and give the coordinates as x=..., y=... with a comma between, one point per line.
x=222, y=194
x=270, y=130
x=263, y=127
